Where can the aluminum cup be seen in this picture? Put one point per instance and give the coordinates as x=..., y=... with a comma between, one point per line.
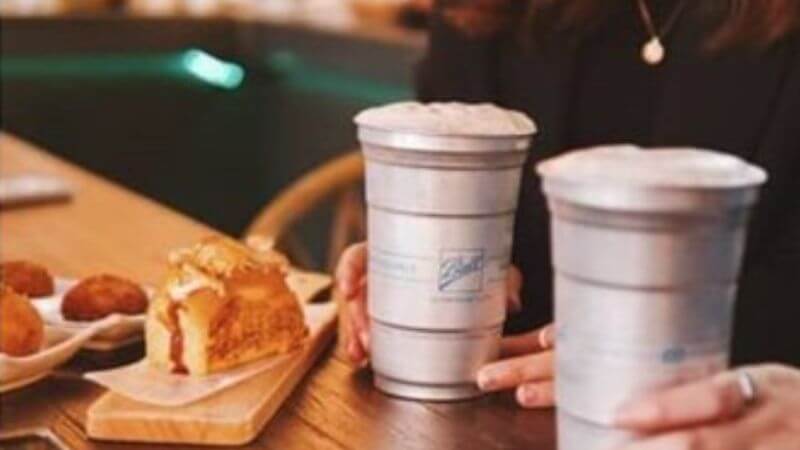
x=645, y=285
x=574, y=433
x=440, y=229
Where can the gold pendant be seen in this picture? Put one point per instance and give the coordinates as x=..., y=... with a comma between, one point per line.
x=653, y=51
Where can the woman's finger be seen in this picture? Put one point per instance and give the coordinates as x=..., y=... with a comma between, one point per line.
x=356, y=350
x=351, y=268
x=514, y=286
x=704, y=401
x=716, y=438
x=360, y=317
x=531, y=342
x=753, y=430
x=512, y=372
x=358, y=325
x=536, y=394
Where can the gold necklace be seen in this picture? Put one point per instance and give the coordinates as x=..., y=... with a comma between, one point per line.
x=653, y=51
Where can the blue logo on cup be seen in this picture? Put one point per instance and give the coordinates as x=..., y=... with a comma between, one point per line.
x=461, y=270
x=673, y=355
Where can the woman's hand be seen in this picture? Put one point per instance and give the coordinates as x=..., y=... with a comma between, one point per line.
x=351, y=280
x=714, y=414
x=528, y=368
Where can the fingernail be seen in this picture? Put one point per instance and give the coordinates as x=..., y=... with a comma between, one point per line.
x=526, y=395
x=364, y=336
x=635, y=413
x=546, y=338
x=485, y=380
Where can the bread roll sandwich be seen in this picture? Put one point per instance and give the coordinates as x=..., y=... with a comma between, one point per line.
x=221, y=305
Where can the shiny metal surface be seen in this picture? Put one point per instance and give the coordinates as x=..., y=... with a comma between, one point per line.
x=423, y=392
x=441, y=192
x=440, y=273
x=440, y=230
x=647, y=251
x=428, y=364
x=577, y=434
x=399, y=139
x=645, y=286
x=643, y=302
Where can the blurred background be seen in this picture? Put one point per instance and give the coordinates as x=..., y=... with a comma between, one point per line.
x=208, y=106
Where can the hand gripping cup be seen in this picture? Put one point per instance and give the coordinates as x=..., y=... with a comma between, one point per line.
x=647, y=247
x=442, y=186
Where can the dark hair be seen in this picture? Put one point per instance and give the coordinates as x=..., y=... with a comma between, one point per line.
x=757, y=23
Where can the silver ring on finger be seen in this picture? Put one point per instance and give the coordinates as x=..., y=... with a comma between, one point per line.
x=747, y=387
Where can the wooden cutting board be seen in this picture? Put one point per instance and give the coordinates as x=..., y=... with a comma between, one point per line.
x=234, y=416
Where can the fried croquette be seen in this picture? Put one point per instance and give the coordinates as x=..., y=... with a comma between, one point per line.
x=21, y=327
x=27, y=278
x=99, y=296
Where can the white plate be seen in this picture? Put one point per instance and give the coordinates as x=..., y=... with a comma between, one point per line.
x=59, y=346
x=128, y=330
x=21, y=383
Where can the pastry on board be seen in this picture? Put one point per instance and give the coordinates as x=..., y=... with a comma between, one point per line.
x=98, y=296
x=222, y=305
x=21, y=327
x=27, y=278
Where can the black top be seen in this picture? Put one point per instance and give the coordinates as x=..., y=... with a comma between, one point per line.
x=615, y=97
x=595, y=89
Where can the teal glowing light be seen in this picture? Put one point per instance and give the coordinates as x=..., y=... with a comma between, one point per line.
x=212, y=70
x=192, y=65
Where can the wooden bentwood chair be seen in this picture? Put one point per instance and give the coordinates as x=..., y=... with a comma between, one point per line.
x=338, y=180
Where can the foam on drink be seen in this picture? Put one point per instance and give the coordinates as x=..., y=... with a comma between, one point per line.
x=483, y=119
x=630, y=165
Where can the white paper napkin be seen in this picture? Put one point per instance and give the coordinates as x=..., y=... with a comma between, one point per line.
x=141, y=382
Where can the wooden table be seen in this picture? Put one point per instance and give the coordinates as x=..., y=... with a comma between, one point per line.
x=108, y=228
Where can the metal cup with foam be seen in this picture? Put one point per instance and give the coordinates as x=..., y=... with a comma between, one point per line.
x=647, y=246
x=442, y=185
